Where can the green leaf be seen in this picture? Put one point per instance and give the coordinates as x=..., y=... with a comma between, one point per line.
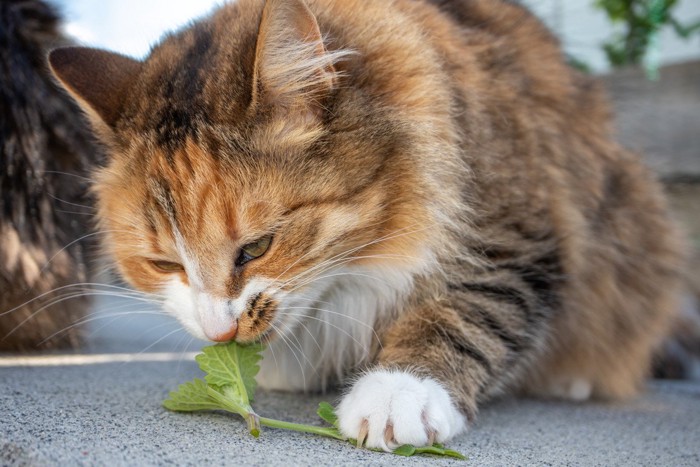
x=233, y=365
x=435, y=450
x=191, y=396
x=439, y=450
x=230, y=385
x=455, y=454
x=253, y=424
x=405, y=450
x=229, y=398
x=684, y=31
x=327, y=413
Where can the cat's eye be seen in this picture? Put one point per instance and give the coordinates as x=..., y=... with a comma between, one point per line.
x=167, y=266
x=254, y=250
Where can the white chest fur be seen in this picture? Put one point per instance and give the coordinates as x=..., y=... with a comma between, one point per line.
x=334, y=328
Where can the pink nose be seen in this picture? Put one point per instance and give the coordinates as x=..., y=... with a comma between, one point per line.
x=227, y=336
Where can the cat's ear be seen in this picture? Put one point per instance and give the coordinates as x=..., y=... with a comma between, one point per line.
x=97, y=79
x=292, y=66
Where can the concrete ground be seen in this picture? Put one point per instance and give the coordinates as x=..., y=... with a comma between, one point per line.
x=103, y=407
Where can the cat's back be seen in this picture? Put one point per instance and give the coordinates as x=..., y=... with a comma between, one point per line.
x=491, y=68
x=427, y=57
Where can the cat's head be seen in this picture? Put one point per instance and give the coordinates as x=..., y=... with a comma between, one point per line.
x=248, y=170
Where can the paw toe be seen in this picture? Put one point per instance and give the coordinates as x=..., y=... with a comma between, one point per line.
x=386, y=409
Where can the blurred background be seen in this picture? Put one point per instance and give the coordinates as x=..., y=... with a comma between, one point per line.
x=132, y=26
x=658, y=116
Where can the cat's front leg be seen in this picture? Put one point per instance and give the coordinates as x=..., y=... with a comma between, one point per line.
x=437, y=361
x=389, y=407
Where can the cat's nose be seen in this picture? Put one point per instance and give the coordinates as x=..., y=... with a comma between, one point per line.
x=226, y=336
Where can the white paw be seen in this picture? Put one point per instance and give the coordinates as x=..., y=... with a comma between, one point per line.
x=389, y=408
x=575, y=389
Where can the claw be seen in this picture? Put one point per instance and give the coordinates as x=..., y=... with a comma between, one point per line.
x=430, y=431
x=362, y=435
x=431, y=437
x=389, y=435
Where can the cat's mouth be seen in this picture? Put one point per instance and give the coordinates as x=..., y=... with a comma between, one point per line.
x=256, y=323
x=248, y=318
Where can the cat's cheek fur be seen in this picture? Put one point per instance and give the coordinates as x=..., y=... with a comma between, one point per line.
x=398, y=408
x=181, y=305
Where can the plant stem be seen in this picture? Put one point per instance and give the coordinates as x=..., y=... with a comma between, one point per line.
x=328, y=432
x=253, y=421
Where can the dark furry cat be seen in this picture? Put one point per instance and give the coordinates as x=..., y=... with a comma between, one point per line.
x=45, y=154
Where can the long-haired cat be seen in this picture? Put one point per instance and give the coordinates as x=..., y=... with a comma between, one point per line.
x=421, y=190
x=46, y=152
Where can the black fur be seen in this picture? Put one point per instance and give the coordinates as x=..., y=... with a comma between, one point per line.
x=46, y=153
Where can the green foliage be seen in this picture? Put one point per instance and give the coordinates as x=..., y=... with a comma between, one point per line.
x=577, y=64
x=236, y=366
x=640, y=22
x=436, y=450
x=327, y=413
x=230, y=385
x=191, y=396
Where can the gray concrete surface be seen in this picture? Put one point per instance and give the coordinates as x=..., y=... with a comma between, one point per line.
x=110, y=414
x=54, y=413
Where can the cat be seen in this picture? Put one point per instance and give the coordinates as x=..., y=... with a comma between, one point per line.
x=46, y=152
x=420, y=193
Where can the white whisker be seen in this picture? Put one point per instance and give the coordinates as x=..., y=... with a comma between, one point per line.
x=179, y=329
x=92, y=317
x=341, y=257
x=73, y=243
x=89, y=286
x=362, y=346
x=291, y=349
x=333, y=313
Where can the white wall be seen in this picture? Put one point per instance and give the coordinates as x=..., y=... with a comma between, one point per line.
x=583, y=29
x=132, y=26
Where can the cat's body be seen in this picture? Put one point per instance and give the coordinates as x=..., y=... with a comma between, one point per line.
x=46, y=153
x=434, y=191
